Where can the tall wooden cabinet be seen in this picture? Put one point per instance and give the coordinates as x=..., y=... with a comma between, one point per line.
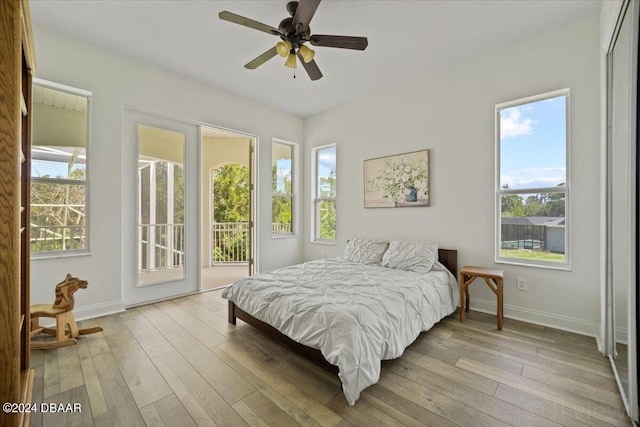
x=17, y=64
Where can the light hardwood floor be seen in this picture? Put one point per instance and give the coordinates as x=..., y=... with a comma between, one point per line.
x=180, y=363
x=220, y=275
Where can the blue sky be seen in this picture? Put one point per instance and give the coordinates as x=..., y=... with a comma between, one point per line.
x=54, y=161
x=326, y=164
x=283, y=173
x=326, y=161
x=53, y=169
x=533, y=144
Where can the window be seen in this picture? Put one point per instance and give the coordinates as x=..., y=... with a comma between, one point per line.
x=532, y=193
x=324, y=199
x=282, y=170
x=59, y=186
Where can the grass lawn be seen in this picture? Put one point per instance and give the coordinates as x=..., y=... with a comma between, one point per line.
x=537, y=255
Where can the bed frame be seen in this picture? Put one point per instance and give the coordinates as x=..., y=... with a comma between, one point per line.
x=447, y=257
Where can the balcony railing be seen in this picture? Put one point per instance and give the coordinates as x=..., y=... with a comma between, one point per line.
x=230, y=241
x=160, y=246
x=280, y=228
x=57, y=238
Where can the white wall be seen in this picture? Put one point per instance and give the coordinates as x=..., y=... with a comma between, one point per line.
x=117, y=81
x=451, y=112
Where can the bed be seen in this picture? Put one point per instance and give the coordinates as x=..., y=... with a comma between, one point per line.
x=351, y=312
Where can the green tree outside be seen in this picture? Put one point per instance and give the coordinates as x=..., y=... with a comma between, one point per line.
x=534, y=205
x=327, y=208
x=231, y=193
x=231, y=205
x=281, y=207
x=60, y=207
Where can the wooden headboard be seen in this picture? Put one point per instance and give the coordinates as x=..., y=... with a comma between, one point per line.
x=449, y=258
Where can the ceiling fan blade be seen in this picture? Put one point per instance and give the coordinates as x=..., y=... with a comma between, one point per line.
x=241, y=20
x=311, y=68
x=258, y=61
x=304, y=13
x=343, y=42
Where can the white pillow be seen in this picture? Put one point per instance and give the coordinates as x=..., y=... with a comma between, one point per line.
x=365, y=251
x=410, y=256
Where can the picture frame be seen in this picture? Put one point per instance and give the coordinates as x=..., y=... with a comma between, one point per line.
x=397, y=181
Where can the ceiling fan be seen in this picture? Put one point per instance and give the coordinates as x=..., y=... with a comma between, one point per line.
x=295, y=32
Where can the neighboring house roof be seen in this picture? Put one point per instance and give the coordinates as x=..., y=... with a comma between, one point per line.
x=533, y=220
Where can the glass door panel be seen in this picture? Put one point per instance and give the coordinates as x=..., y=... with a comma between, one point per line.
x=160, y=208
x=161, y=250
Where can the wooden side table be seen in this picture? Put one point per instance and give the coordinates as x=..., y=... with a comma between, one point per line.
x=493, y=278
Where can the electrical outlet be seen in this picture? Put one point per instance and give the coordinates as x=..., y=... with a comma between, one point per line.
x=522, y=284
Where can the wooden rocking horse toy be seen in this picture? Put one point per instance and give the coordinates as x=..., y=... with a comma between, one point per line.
x=61, y=311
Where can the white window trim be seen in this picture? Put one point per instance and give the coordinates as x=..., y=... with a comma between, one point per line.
x=566, y=190
x=87, y=195
x=294, y=190
x=315, y=199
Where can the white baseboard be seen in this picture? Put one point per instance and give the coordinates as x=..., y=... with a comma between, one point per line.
x=565, y=323
x=599, y=344
x=97, y=310
x=89, y=312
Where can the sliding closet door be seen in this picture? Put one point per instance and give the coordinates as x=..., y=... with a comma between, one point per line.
x=621, y=203
x=161, y=243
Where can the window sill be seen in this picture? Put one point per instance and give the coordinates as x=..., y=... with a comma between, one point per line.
x=55, y=255
x=521, y=263
x=283, y=236
x=324, y=242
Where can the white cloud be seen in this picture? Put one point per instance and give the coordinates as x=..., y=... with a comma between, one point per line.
x=512, y=123
x=327, y=157
x=534, y=178
x=326, y=161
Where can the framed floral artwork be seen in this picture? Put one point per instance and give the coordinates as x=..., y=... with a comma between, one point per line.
x=397, y=181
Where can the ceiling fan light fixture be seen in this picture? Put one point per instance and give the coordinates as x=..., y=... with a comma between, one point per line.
x=283, y=48
x=291, y=61
x=306, y=53
x=293, y=32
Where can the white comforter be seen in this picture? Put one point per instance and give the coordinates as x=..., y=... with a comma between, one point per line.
x=355, y=314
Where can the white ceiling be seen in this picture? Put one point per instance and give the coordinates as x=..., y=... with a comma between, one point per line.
x=406, y=38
